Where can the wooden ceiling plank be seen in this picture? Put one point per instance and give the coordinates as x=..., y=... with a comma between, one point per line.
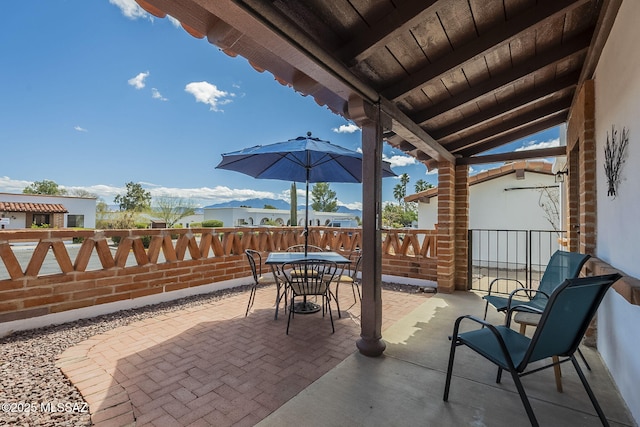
x=522, y=100
x=481, y=45
x=573, y=47
x=513, y=155
x=516, y=134
x=505, y=126
x=400, y=20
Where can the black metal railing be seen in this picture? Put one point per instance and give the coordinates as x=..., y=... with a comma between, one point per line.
x=512, y=254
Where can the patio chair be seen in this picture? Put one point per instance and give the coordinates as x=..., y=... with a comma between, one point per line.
x=564, y=321
x=314, y=281
x=255, y=261
x=562, y=265
x=348, y=276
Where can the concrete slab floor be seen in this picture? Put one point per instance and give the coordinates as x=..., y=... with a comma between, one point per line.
x=405, y=386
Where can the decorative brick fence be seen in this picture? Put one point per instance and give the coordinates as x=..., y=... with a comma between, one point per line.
x=99, y=272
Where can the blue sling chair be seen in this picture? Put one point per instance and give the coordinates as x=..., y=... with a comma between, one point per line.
x=563, y=322
x=562, y=265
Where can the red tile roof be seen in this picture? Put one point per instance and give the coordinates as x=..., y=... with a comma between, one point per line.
x=32, y=207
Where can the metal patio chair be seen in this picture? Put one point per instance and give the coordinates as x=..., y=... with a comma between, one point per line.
x=562, y=325
x=562, y=265
x=348, y=276
x=314, y=281
x=255, y=261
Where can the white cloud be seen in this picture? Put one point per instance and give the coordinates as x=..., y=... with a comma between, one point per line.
x=350, y=128
x=155, y=94
x=80, y=129
x=131, y=9
x=354, y=206
x=138, y=81
x=8, y=185
x=433, y=171
x=400, y=161
x=534, y=145
x=209, y=94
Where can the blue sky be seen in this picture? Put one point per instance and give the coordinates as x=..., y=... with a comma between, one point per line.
x=95, y=94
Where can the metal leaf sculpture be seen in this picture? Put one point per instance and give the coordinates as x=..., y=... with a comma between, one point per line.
x=614, y=157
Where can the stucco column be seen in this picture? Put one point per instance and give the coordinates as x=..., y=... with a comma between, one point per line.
x=370, y=119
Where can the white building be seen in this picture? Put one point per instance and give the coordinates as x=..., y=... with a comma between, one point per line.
x=234, y=217
x=512, y=197
x=22, y=210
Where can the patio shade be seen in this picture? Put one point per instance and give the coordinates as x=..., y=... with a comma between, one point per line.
x=303, y=159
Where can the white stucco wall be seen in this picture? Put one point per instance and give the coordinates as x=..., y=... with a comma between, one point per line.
x=75, y=206
x=617, y=92
x=491, y=207
x=230, y=216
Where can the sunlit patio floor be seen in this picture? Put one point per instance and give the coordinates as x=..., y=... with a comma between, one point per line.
x=209, y=365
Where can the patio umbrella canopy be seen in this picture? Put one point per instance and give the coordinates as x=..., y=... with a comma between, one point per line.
x=303, y=159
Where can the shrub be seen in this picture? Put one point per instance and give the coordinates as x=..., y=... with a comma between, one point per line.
x=212, y=223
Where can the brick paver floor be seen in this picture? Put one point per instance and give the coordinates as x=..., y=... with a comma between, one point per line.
x=210, y=365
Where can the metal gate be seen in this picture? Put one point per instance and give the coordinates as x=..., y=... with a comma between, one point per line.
x=513, y=254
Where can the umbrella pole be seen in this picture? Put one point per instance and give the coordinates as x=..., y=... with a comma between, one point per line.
x=306, y=217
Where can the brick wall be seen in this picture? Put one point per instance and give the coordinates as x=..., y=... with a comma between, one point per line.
x=36, y=296
x=582, y=170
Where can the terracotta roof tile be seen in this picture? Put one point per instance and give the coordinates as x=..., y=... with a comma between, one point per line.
x=32, y=207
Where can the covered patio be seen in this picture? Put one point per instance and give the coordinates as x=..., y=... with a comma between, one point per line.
x=210, y=365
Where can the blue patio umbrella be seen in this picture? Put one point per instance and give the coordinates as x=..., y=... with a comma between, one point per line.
x=301, y=159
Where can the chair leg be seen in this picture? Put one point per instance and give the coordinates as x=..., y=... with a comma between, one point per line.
x=486, y=308
x=290, y=312
x=587, y=388
x=452, y=355
x=333, y=329
x=584, y=360
x=525, y=400
x=252, y=297
x=338, y=302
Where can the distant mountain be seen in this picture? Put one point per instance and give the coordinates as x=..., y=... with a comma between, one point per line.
x=278, y=204
x=252, y=203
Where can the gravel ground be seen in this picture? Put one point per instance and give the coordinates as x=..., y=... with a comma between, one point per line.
x=31, y=386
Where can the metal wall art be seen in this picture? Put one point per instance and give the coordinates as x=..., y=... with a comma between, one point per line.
x=614, y=157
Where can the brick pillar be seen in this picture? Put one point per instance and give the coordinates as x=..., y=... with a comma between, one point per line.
x=572, y=202
x=461, y=227
x=582, y=171
x=446, y=227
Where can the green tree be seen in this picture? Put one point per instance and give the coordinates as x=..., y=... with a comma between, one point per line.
x=323, y=198
x=398, y=193
x=422, y=185
x=396, y=216
x=268, y=206
x=172, y=209
x=44, y=187
x=294, y=205
x=137, y=199
x=81, y=192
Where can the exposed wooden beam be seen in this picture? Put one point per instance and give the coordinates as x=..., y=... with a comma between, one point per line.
x=527, y=20
x=403, y=16
x=573, y=47
x=294, y=36
x=522, y=100
x=514, y=155
x=507, y=125
x=414, y=134
x=522, y=132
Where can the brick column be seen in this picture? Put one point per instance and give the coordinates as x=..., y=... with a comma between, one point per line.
x=461, y=227
x=582, y=171
x=446, y=227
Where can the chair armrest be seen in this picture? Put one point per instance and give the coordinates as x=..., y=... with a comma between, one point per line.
x=522, y=307
x=491, y=328
x=503, y=278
